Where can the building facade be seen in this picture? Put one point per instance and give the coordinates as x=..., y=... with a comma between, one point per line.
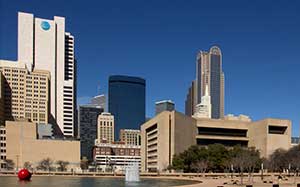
x=165, y=105
x=26, y=94
x=191, y=99
x=21, y=138
x=2, y=109
x=209, y=72
x=171, y=133
x=130, y=136
x=45, y=45
x=126, y=101
x=87, y=120
x=105, y=128
x=116, y=156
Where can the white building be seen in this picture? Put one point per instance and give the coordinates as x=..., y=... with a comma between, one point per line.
x=116, y=156
x=203, y=110
x=44, y=44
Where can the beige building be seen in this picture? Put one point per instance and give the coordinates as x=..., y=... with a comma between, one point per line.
x=130, y=136
x=23, y=146
x=45, y=45
x=26, y=94
x=105, y=128
x=166, y=134
x=171, y=133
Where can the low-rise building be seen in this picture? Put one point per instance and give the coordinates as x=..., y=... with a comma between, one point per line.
x=171, y=133
x=115, y=156
x=23, y=145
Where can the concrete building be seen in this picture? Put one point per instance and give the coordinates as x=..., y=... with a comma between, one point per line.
x=203, y=110
x=44, y=44
x=130, y=136
x=115, y=156
x=22, y=145
x=127, y=101
x=171, y=133
x=26, y=94
x=165, y=135
x=165, y=105
x=209, y=72
x=87, y=120
x=105, y=128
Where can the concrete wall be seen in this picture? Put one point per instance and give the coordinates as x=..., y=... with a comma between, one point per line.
x=23, y=146
x=265, y=142
x=176, y=132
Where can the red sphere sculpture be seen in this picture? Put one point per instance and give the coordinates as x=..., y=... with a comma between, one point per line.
x=24, y=175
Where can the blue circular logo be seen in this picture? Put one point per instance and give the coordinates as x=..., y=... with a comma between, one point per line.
x=45, y=25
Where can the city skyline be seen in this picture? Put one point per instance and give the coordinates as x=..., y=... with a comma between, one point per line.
x=249, y=77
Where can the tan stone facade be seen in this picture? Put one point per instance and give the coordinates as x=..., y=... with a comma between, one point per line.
x=130, y=136
x=269, y=134
x=171, y=133
x=166, y=134
x=23, y=146
x=105, y=128
x=26, y=95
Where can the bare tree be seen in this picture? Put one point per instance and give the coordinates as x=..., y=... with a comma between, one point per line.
x=10, y=165
x=27, y=165
x=200, y=166
x=45, y=164
x=62, y=165
x=84, y=163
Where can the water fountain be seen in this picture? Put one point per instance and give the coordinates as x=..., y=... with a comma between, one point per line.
x=132, y=172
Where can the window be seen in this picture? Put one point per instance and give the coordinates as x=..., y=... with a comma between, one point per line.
x=277, y=129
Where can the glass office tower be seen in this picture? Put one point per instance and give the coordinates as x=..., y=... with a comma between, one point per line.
x=126, y=101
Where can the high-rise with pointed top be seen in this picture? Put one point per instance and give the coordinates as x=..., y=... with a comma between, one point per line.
x=208, y=72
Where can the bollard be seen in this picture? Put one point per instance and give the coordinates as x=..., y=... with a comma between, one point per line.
x=275, y=185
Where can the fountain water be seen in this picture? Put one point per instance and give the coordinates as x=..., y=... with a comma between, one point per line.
x=132, y=172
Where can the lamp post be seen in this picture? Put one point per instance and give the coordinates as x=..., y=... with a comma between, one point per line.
x=17, y=162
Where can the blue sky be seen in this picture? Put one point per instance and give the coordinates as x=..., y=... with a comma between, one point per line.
x=159, y=40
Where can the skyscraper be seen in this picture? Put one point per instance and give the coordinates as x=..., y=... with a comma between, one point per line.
x=87, y=120
x=190, y=101
x=44, y=45
x=209, y=72
x=126, y=101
